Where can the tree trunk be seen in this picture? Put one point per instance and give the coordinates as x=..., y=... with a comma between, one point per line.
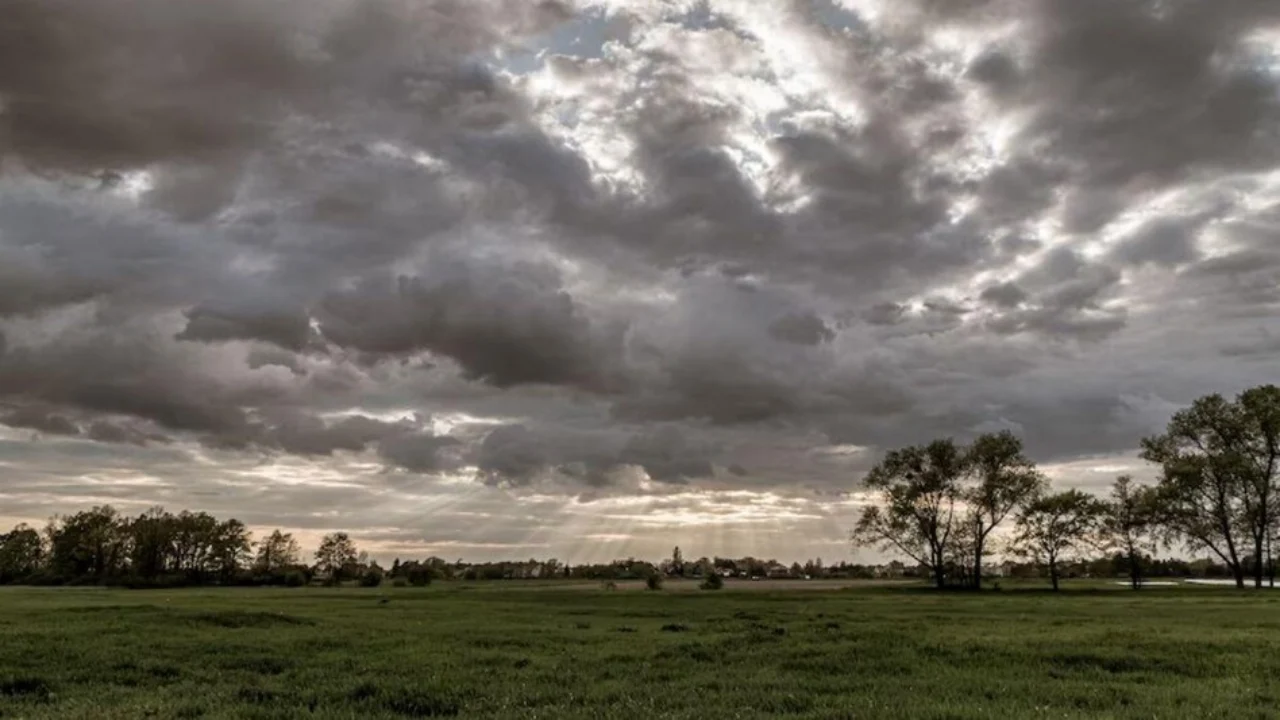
x=977, y=564
x=939, y=576
x=1053, y=574
x=1135, y=572
x=1257, y=562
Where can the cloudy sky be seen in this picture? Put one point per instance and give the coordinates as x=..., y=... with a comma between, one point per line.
x=591, y=278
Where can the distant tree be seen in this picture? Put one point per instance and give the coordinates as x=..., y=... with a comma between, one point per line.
x=21, y=553
x=231, y=546
x=277, y=552
x=653, y=581
x=336, y=556
x=677, y=562
x=89, y=544
x=712, y=582
x=372, y=576
x=1053, y=526
x=1002, y=480
x=919, y=489
x=1128, y=524
x=419, y=575
x=151, y=543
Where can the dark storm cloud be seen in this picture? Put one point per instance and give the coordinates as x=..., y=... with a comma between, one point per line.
x=43, y=421
x=302, y=434
x=419, y=452
x=1165, y=242
x=711, y=247
x=519, y=455
x=118, y=375
x=291, y=331
x=1007, y=295
x=802, y=329
x=140, y=81
x=505, y=323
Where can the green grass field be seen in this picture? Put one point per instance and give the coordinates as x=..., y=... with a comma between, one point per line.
x=529, y=651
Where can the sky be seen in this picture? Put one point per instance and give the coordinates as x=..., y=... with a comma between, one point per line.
x=593, y=278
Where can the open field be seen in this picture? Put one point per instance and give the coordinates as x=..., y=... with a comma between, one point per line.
x=525, y=651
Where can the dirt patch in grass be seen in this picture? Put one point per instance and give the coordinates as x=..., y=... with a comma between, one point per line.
x=242, y=619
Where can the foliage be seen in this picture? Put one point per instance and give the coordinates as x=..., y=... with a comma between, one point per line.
x=21, y=554
x=277, y=552
x=1128, y=524
x=371, y=577
x=712, y=582
x=1001, y=479
x=653, y=582
x=337, y=557
x=920, y=490
x=1053, y=526
x=1218, y=490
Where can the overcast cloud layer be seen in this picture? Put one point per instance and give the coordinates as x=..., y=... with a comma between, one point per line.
x=583, y=278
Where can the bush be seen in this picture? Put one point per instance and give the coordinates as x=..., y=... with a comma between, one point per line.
x=295, y=579
x=713, y=582
x=399, y=582
x=653, y=582
x=420, y=576
x=610, y=585
x=371, y=578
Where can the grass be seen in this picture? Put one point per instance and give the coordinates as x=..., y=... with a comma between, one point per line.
x=528, y=651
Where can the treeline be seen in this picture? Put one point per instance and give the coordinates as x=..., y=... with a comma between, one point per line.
x=157, y=548
x=941, y=504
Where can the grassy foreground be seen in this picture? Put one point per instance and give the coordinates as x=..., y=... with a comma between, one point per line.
x=520, y=651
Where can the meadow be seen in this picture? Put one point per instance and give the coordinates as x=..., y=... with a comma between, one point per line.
x=531, y=650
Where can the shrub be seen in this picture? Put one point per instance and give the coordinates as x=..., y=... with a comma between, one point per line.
x=653, y=582
x=420, y=576
x=713, y=582
x=399, y=582
x=371, y=578
x=295, y=579
x=610, y=585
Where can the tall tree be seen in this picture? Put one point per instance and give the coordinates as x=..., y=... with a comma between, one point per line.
x=230, y=548
x=21, y=552
x=87, y=544
x=1003, y=479
x=1128, y=524
x=1204, y=497
x=1260, y=415
x=1053, y=526
x=151, y=543
x=919, y=489
x=278, y=551
x=336, y=556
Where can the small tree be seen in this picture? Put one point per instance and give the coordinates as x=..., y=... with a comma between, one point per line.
x=372, y=577
x=712, y=582
x=1128, y=522
x=653, y=581
x=919, y=489
x=277, y=552
x=1053, y=526
x=337, y=553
